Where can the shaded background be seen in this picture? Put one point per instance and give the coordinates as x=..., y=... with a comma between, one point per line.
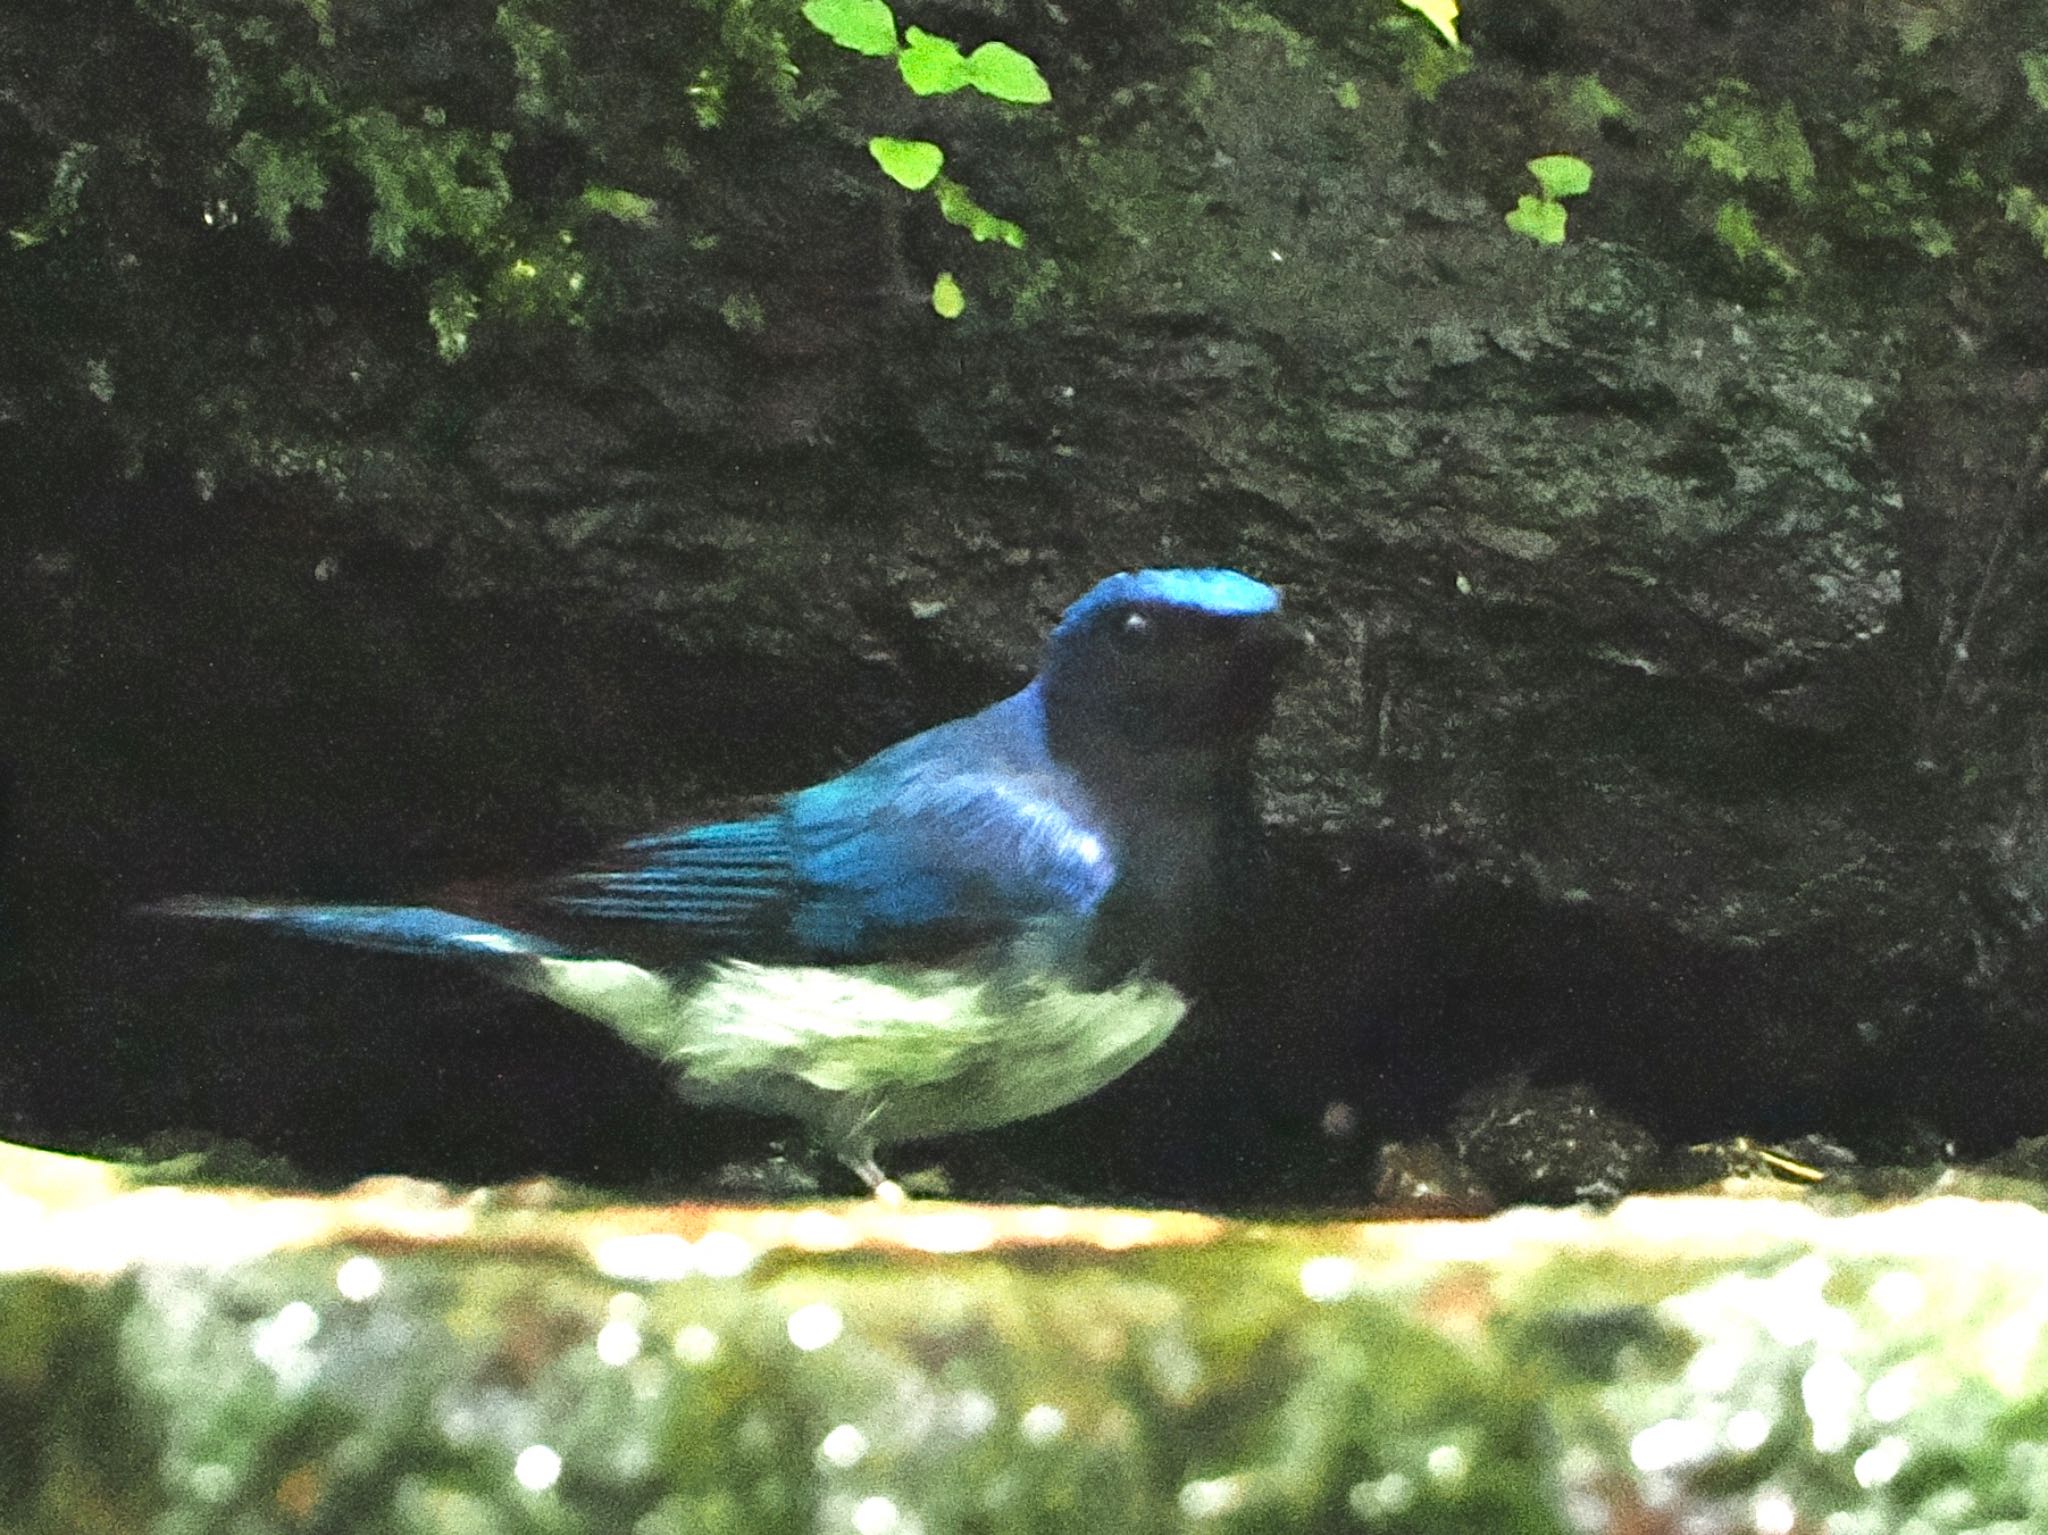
x=388, y=501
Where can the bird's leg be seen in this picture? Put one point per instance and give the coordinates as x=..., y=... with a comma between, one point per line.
x=885, y=1189
x=854, y=1144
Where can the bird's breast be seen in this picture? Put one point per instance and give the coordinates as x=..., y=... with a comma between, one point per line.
x=923, y=1050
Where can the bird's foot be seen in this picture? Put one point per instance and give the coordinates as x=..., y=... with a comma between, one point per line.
x=885, y=1189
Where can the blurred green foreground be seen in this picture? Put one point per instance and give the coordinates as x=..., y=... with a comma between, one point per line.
x=403, y=1359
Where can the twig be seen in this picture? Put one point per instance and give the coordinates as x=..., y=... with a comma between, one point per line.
x=1959, y=655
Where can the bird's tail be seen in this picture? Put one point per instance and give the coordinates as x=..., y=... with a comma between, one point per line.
x=393, y=929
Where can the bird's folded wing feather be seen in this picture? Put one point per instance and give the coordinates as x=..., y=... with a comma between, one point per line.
x=869, y=865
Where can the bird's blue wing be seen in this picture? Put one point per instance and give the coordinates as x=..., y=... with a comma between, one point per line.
x=946, y=858
x=724, y=882
x=899, y=858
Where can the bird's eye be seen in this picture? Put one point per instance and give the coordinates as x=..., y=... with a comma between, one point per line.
x=1135, y=629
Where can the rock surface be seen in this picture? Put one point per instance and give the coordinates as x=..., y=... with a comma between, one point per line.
x=1670, y=725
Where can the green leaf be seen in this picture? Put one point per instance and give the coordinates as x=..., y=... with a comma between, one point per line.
x=931, y=66
x=2025, y=207
x=618, y=203
x=1738, y=141
x=958, y=208
x=1735, y=226
x=743, y=312
x=2034, y=65
x=1561, y=175
x=1441, y=14
x=1721, y=155
x=1917, y=28
x=451, y=310
x=908, y=162
x=865, y=26
x=284, y=178
x=1589, y=104
x=1539, y=218
x=1933, y=237
x=998, y=70
x=947, y=298
x=1790, y=159
x=1429, y=68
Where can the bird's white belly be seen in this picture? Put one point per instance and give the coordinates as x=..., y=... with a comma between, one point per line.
x=912, y=1051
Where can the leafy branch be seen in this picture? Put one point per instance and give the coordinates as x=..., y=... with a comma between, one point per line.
x=1542, y=217
x=931, y=65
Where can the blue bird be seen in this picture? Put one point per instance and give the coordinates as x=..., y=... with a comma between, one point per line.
x=982, y=923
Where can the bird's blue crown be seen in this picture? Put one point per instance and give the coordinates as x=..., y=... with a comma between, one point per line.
x=1225, y=593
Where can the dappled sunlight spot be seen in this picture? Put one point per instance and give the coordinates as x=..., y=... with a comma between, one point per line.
x=1671, y=1445
x=359, y=1278
x=1898, y=1293
x=1791, y=1306
x=1042, y=1423
x=974, y=1413
x=1747, y=1430
x=950, y=1231
x=280, y=1340
x=415, y=1208
x=820, y=1231
x=1383, y=1497
x=1448, y=1463
x=167, y=1225
x=2011, y=1347
x=537, y=1468
x=815, y=1326
x=723, y=1255
x=655, y=1256
x=651, y=1256
x=212, y=1482
x=696, y=1344
x=1046, y=1223
x=1831, y=1390
x=843, y=1447
x=1213, y=1498
x=1716, y=1366
x=1120, y=1229
x=1895, y=1393
x=871, y=1224
x=877, y=1516
x=1772, y=1513
x=618, y=1343
x=1882, y=1461
x=1798, y=1310
x=17, y=1209
x=1328, y=1278
x=1707, y=1221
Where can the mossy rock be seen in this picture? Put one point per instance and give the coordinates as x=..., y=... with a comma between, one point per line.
x=404, y=1358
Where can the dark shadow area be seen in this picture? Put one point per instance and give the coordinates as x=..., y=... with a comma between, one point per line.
x=242, y=713
x=1351, y=1009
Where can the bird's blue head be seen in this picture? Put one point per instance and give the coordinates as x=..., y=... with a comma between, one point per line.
x=1165, y=658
